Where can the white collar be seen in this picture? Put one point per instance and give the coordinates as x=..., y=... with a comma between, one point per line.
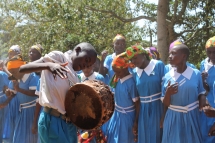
x=113, y=55
x=91, y=77
x=187, y=73
x=24, y=78
x=150, y=67
x=125, y=78
x=207, y=65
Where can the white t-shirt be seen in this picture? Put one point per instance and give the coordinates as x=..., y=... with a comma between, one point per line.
x=53, y=91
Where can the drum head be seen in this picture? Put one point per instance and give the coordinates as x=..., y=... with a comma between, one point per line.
x=83, y=106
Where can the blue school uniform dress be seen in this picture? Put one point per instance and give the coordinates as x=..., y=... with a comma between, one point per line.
x=37, y=100
x=13, y=112
x=119, y=129
x=27, y=104
x=207, y=122
x=169, y=67
x=108, y=64
x=52, y=129
x=94, y=76
x=148, y=83
x=4, y=112
x=182, y=120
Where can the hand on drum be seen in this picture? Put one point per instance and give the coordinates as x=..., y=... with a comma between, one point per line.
x=135, y=131
x=58, y=69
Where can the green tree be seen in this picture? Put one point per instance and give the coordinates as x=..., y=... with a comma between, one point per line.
x=185, y=19
x=63, y=24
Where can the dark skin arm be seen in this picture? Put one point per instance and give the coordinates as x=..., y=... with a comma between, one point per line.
x=54, y=68
x=36, y=117
x=202, y=101
x=171, y=89
x=103, y=70
x=205, y=85
x=23, y=91
x=135, y=126
x=10, y=96
x=163, y=116
x=5, y=68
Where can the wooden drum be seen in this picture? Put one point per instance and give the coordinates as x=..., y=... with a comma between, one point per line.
x=89, y=104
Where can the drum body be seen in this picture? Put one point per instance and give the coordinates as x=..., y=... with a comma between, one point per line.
x=89, y=104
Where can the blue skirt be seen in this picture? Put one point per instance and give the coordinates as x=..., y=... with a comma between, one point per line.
x=6, y=130
x=206, y=124
x=52, y=129
x=13, y=114
x=149, y=130
x=3, y=112
x=120, y=128
x=24, y=122
x=181, y=127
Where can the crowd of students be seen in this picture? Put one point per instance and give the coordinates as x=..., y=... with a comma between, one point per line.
x=154, y=102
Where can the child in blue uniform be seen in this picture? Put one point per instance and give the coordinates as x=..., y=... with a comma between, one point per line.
x=168, y=67
x=89, y=74
x=25, y=88
x=122, y=127
x=119, y=45
x=3, y=109
x=208, y=75
x=54, y=84
x=183, y=93
x=148, y=77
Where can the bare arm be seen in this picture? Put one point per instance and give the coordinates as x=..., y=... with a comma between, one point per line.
x=54, y=68
x=35, y=66
x=103, y=70
x=163, y=116
x=5, y=68
x=135, y=126
x=23, y=91
x=36, y=117
x=10, y=96
x=205, y=85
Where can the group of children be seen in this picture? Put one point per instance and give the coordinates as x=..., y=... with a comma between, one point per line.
x=154, y=102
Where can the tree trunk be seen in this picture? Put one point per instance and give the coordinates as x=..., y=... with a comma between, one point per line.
x=162, y=29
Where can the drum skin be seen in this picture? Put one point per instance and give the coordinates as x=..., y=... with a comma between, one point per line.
x=89, y=104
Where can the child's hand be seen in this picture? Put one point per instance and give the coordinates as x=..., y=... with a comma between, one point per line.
x=9, y=93
x=212, y=131
x=58, y=69
x=172, y=89
x=104, y=55
x=135, y=131
x=209, y=111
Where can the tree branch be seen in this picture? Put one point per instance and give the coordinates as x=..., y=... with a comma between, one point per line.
x=189, y=30
x=175, y=8
x=183, y=9
x=194, y=34
x=152, y=19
